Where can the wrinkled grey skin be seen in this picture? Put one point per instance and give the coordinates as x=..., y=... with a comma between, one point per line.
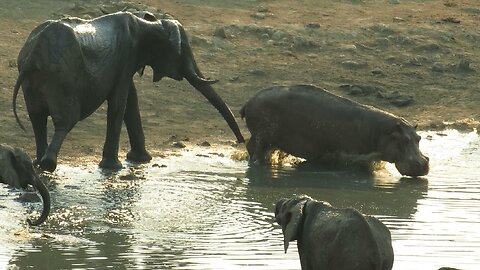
x=331, y=238
x=69, y=67
x=16, y=170
x=310, y=122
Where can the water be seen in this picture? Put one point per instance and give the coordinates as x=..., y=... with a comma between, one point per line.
x=202, y=210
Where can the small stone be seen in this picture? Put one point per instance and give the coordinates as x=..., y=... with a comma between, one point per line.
x=402, y=101
x=257, y=72
x=262, y=9
x=129, y=176
x=439, y=67
x=359, y=90
x=12, y=63
x=312, y=25
x=234, y=78
x=205, y=144
x=179, y=145
x=156, y=165
x=220, y=32
x=396, y=98
x=451, y=20
x=279, y=35
x=398, y=19
x=353, y=64
x=258, y=15
x=349, y=47
x=464, y=66
x=377, y=71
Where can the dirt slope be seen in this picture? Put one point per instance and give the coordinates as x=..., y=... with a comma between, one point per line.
x=417, y=59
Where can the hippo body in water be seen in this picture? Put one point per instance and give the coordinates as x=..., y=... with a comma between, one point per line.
x=310, y=122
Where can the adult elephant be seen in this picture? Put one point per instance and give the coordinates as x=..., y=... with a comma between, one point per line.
x=331, y=238
x=16, y=170
x=69, y=67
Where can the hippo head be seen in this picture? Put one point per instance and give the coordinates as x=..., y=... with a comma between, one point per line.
x=400, y=145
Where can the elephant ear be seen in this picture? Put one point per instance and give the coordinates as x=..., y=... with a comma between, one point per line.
x=148, y=16
x=290, y=230
x=289, y=214
x=173, y=28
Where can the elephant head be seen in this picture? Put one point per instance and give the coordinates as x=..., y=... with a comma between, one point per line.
x=334, y=238
x=166, y=49
x=401, y=146
x=16, y=170
x=289, y=213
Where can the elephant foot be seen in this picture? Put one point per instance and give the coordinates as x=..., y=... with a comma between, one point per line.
x=47, y=164
x=110, y=164
x=139, y=157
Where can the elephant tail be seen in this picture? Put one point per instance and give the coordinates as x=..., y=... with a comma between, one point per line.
x=42, y=189
x=20, y=79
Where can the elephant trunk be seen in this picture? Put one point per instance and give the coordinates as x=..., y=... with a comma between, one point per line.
x=42, y=189
x=196, y=79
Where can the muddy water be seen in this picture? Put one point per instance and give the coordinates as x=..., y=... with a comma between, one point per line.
x=203, y=210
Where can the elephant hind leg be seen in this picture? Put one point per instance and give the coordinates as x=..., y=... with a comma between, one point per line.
x=38, y=114
x=49, y=159
x=65, y=113
x=39, y=124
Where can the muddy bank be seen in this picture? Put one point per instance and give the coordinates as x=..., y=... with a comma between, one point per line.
x=419, y=60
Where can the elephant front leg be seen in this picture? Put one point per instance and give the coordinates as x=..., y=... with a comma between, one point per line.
x=115, y=113
x=133, y=122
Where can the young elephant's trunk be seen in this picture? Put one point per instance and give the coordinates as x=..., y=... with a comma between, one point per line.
x=42, y=189
x=196, y=79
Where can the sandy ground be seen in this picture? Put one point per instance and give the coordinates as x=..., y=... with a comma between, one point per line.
x=417, y=59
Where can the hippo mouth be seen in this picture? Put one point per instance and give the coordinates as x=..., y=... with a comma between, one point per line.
x=414, y=168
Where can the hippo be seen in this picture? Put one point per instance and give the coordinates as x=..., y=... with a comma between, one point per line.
x=310, y=122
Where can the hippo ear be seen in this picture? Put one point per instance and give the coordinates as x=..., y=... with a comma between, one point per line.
x=149, y=16
x=173, y=28
x=293, y=222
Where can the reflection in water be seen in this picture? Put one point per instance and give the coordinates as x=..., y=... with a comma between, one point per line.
x=201, y=210
x=379, y=193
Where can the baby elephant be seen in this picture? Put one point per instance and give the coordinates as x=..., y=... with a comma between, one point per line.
x=334, y=239
x=16, y=170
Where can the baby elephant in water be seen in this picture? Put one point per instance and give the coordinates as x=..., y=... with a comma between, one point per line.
x=16, y=170
x=312, y=123
x=334, y=239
